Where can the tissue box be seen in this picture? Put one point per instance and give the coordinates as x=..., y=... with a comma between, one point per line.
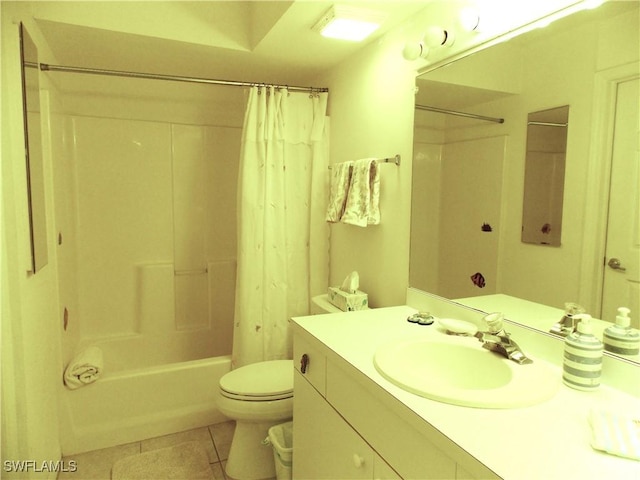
x=348, y=302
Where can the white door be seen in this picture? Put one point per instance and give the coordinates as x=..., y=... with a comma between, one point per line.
x=622, y=270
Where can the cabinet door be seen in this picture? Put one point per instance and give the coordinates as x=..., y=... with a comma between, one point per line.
x=382, y=470
x=324, y=445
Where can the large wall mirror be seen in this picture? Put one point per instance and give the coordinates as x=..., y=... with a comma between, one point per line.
x=33, y=151
x=470, y=197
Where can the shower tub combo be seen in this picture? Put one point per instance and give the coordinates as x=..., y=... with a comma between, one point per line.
x=147, y=267
x=131, y=405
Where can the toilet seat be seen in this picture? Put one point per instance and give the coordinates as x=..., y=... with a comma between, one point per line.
x=259, y=382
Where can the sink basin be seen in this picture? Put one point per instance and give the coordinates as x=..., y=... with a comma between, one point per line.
x=463, y=373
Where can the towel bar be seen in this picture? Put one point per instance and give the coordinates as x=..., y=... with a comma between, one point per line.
x=201, y=271
x=395, y=159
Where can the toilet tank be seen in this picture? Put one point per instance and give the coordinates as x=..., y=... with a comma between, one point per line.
x=320, y=304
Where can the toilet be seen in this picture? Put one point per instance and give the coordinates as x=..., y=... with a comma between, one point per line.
x=320, y=304
x=259, y=396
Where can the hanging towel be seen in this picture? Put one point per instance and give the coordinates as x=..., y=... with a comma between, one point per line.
x=340, y=181
x=615, y=434
x=363, y=198
x=85, y=368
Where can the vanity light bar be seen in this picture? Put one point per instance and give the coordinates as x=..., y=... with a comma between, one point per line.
x=537, y=23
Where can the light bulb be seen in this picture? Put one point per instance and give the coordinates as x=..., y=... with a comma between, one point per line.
x=411, y=50
x=469, y=19
x=449, y=37
x=415, y=50
x=434, y=36
x=438, y=36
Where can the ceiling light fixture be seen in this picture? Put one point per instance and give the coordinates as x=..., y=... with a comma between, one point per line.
x=349, y=23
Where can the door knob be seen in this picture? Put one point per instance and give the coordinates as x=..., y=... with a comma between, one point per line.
x=615, y=264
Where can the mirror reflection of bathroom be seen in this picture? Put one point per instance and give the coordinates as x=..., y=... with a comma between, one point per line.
x=33, y=151
x=573, y=67
x=544, y=176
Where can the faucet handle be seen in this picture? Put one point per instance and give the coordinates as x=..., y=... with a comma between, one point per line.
x=569, y=321
x=494, y=322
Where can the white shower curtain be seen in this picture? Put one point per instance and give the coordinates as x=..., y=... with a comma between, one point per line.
x=282, y=236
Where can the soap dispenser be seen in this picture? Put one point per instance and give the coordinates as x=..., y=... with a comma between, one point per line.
x=621, y=338
x=582, y=357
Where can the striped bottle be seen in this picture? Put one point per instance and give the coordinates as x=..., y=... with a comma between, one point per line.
x=621, y=338
x=582, y=357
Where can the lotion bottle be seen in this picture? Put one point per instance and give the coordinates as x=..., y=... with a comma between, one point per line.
x=621, y=338
x=582, y=364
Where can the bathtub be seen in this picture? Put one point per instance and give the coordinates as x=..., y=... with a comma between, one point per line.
x=130, y=405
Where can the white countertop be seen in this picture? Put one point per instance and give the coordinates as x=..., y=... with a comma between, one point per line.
x=549, y=440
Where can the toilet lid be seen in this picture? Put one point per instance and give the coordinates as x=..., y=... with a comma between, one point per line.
x=270, y=380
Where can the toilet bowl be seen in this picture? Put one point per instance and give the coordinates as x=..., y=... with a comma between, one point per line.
x=257, y=397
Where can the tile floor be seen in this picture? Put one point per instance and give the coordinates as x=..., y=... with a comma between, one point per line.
x=96, y=465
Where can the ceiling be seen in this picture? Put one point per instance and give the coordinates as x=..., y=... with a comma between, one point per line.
x=252, y=41
x=249, y=41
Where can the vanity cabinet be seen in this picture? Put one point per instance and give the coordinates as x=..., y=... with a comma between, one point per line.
x=344, y=429
x=325, y=446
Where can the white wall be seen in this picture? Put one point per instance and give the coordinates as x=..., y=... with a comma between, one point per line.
x=31, y=320
x=371, y=107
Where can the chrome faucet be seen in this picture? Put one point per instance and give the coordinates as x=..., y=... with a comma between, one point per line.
x=568, y=322
x=504, y=345
x=498, y=340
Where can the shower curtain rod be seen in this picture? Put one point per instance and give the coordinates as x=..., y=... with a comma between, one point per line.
x=175, y=78
x=548, y=124
x=459, y=114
